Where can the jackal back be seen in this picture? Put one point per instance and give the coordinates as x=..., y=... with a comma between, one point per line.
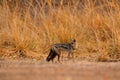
x=65, y=46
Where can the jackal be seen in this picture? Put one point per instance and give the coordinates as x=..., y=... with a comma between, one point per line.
x=57, y=48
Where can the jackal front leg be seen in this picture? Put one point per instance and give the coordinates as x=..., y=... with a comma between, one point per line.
x=70, y=55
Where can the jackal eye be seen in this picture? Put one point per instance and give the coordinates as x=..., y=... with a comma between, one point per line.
x=74, y=40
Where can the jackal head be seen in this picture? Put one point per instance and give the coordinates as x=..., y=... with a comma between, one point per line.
x=73, y=41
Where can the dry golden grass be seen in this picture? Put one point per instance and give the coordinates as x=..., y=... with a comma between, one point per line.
x=31, y=28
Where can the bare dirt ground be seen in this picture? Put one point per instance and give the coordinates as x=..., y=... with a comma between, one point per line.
x=68, y=70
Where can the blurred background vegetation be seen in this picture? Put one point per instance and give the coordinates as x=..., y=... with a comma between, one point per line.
x=28, y=28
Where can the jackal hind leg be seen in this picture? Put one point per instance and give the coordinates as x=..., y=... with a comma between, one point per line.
x=52, y=60
x=58, y=54
x=59, y=57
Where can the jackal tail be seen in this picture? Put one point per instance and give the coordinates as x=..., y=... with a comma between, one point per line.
x=51, y=55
